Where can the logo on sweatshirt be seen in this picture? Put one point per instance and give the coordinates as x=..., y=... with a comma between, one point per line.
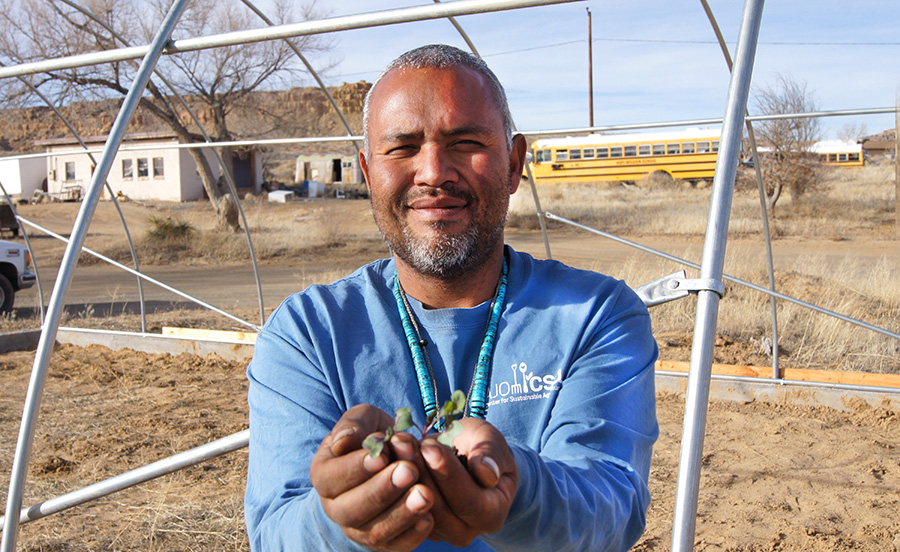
x=522, y=384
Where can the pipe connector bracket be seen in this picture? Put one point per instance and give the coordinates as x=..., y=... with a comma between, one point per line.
x=697, y=285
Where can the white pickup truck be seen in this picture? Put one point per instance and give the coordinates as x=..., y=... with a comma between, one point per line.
x=15, y=273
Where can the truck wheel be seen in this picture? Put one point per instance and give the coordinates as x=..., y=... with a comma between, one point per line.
x=7, y=295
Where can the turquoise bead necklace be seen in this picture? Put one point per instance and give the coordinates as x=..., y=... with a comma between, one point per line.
x=476, y=400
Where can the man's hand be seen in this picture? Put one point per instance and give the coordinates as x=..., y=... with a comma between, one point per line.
x=377, y=502
x=474, y=501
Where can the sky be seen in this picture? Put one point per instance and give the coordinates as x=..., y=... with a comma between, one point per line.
x=653, y=60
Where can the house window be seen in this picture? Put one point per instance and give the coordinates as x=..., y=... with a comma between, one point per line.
x=70, y=170
x=127, y=169
x=143, y=168
x=158, y=168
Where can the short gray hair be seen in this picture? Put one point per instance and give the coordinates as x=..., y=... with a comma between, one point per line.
x=442, y=56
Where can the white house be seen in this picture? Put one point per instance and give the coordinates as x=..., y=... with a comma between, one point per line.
x=146, y=167
x=333, y=168
x=21, y=177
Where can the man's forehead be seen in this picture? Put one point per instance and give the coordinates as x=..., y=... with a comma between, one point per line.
x=459, y=93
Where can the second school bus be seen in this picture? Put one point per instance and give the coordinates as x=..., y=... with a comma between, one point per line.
x=685, y=154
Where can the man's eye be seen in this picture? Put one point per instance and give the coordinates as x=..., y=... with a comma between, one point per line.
x=468, y=144
x=401, y=150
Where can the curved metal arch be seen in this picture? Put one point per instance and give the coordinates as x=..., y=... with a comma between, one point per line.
x=762, y=196
x=229, y=178
x=309, y=68
x=70, y=257
x=112, y=198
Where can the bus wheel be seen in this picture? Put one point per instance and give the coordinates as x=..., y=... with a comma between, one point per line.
x=659, y=179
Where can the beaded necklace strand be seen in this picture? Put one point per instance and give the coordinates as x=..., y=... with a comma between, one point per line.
x=476, y=399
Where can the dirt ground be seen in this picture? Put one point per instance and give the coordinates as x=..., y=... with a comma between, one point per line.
x=775, y=476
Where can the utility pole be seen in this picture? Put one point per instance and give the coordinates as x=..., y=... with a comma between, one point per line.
x=590, y=69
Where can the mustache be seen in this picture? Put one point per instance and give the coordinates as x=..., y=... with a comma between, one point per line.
x=455, y=193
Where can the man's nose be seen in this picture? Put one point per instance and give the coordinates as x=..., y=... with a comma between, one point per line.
x=434, y=167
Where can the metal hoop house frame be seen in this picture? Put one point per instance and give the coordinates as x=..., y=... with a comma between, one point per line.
x=708, y=287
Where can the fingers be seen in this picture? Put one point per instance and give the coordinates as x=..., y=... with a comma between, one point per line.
x=354, y=426
x=365, y=502
x=481, y=493
x=401, y=528
x=377, y=501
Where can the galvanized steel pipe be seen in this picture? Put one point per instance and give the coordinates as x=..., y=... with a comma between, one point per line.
x=687, y=488
x=63, y=280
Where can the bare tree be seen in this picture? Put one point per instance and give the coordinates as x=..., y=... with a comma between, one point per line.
x=853, y=132
x=787, y=160
x=216, y=81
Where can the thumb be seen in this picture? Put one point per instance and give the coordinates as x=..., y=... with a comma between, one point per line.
x=485, y=471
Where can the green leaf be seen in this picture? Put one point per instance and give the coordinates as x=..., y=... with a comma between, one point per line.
x=452, y=432
x=388, y=433
x=374, y=444
x=403, y=419
x=458, y=402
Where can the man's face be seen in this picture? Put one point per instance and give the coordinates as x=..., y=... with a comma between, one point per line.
x=438, y=168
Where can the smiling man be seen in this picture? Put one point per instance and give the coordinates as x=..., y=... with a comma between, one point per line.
x=558, y=362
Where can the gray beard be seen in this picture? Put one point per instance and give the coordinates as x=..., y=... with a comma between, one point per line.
x=449, y=256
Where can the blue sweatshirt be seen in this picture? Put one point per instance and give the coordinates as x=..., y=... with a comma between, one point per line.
x=571, y=389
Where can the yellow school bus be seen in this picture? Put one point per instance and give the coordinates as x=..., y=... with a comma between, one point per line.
x=685, y=154
x=839, y=153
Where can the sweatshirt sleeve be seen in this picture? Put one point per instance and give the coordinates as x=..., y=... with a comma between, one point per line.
x=586, y=486
x=282, y=510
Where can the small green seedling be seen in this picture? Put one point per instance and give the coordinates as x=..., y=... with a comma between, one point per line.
x=449, y=413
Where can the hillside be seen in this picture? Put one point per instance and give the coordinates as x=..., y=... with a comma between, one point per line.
x=301, y=111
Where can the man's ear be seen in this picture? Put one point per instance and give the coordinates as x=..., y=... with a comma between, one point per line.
x=516, y=161
x=364, y=165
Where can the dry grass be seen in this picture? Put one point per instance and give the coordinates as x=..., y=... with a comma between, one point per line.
x=854, y=205
x=854, y=208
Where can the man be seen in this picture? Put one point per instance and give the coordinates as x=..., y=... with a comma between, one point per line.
x=558, y=362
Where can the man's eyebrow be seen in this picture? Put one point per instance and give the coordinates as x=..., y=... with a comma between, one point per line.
x=468, y=130
x=401, y=136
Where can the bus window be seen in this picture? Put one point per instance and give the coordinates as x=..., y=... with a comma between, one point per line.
x=832, y=157
x=842, y=157
x=673, y=149
x=542, y=156
x=823, y=158
x=587, y=153
x=574, y=154
x=853, y=157
x=659, y=149
x=644, y=149
x=702, y=147
x=715, y=146
x=615, y=151
x=630, y=151
x=602, y=153
x=687, y=147
x=562, y=155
